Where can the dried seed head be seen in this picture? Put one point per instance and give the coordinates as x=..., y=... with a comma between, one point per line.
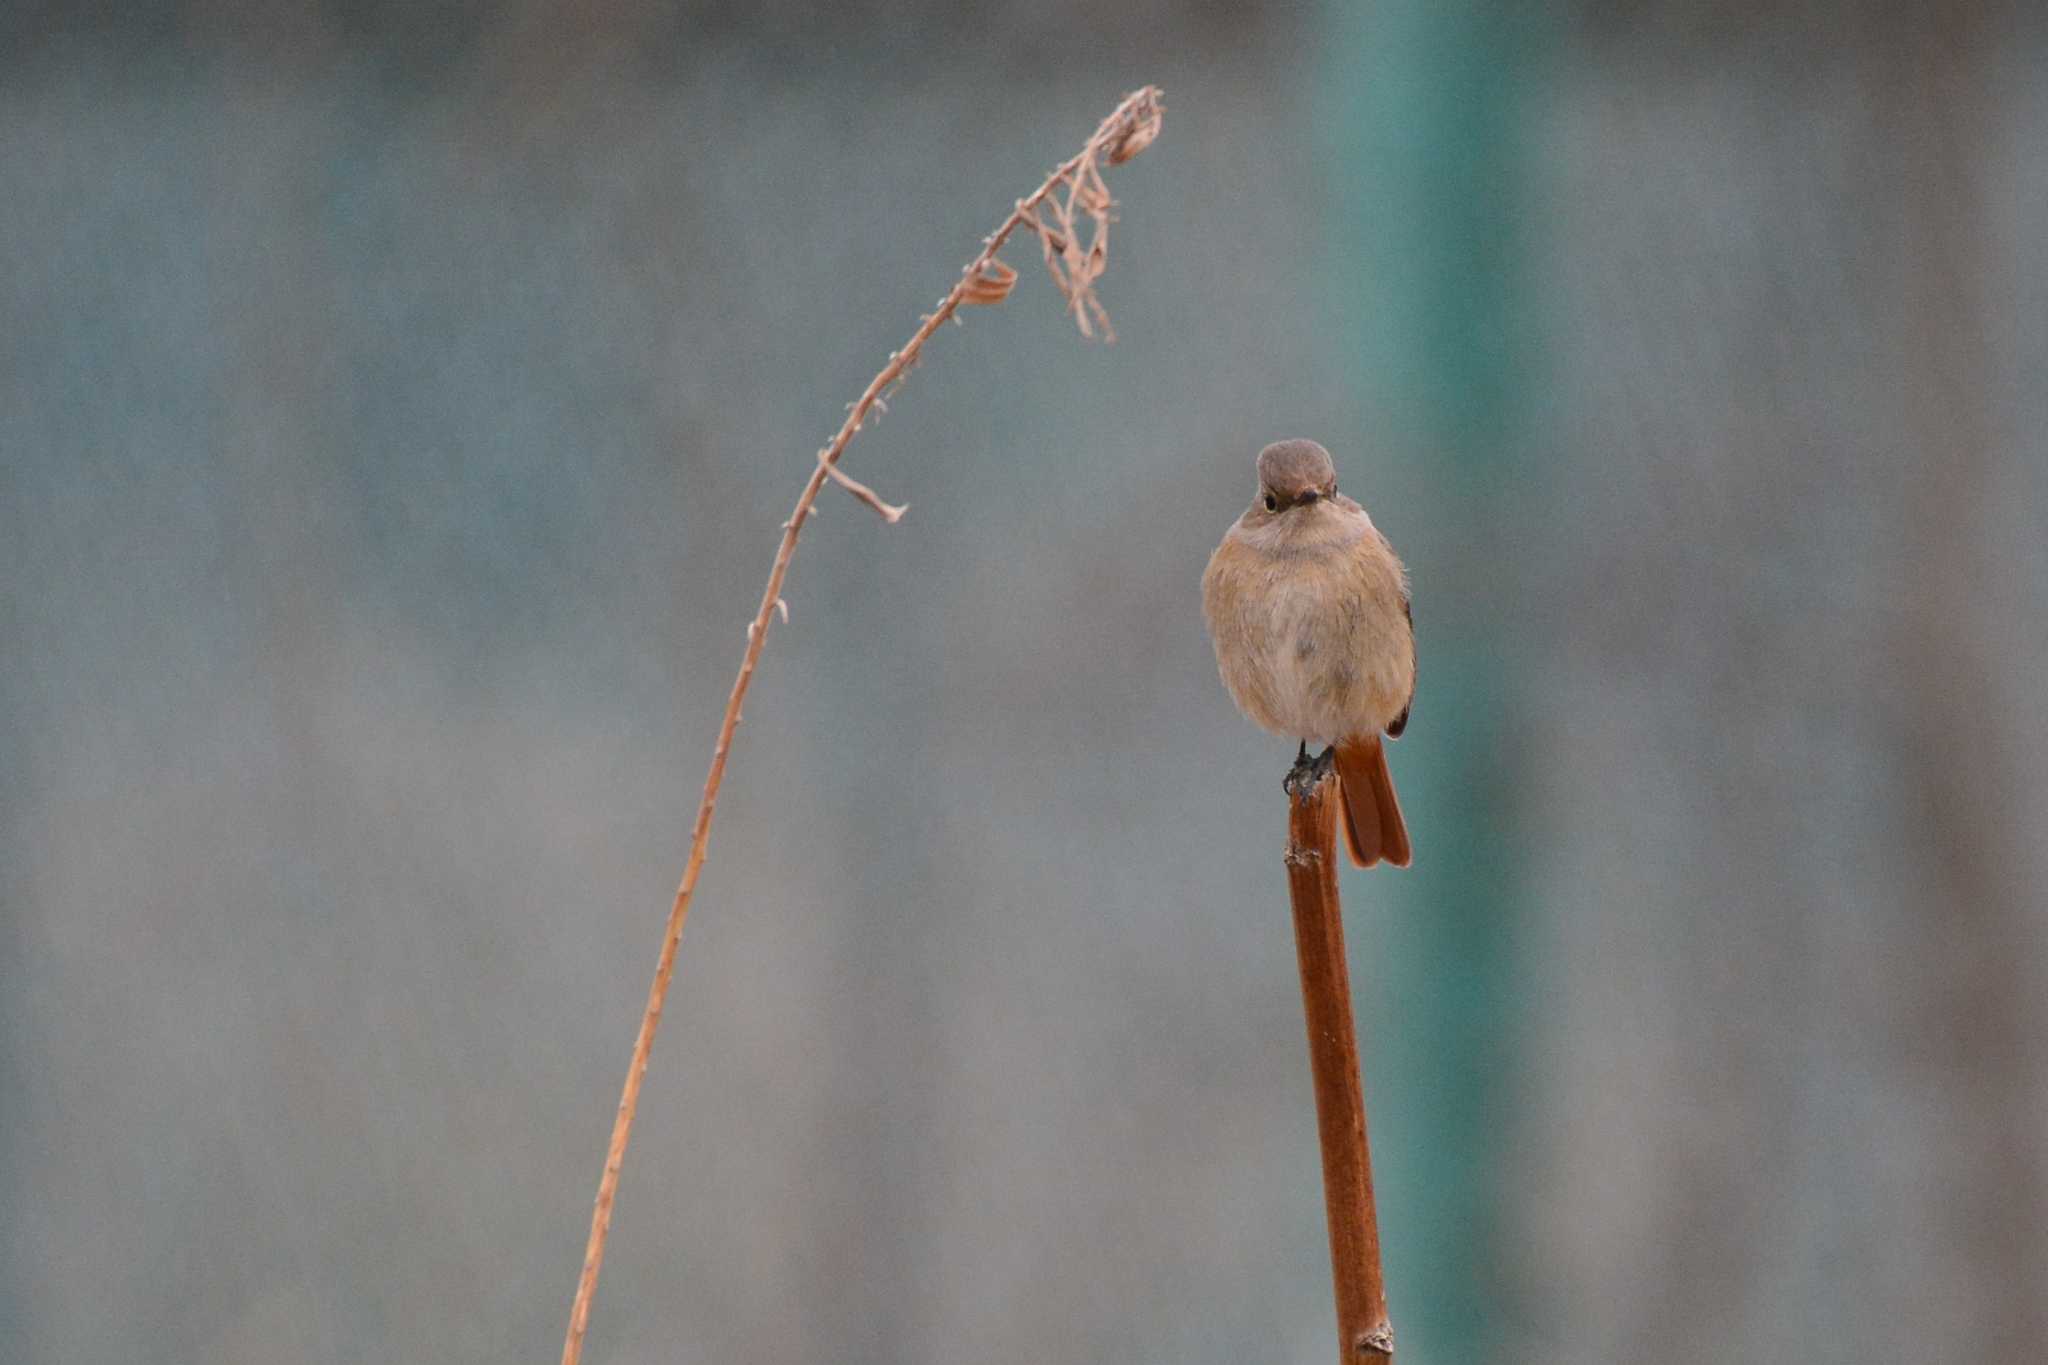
x=1136, y=135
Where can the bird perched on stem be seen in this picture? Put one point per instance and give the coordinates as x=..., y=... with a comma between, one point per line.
x=1308, y=607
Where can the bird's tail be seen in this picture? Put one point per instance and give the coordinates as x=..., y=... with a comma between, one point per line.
x=1373, y=827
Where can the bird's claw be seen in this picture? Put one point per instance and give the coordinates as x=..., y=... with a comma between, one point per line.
x=1307, y=772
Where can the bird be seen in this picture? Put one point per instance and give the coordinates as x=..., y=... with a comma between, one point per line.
x=1308, y=608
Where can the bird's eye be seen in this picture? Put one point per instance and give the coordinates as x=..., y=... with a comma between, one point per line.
x=1272, y=503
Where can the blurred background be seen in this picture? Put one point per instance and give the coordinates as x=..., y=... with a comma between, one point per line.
x=397, y=408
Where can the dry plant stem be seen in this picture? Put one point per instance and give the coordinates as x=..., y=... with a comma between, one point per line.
x=1363, y=1332
x=1128, y=130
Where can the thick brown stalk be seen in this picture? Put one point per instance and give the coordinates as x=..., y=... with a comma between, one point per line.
x=1128, y=130
x=1363, y=1332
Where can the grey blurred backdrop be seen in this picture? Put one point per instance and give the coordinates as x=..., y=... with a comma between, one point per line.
x=397, y=407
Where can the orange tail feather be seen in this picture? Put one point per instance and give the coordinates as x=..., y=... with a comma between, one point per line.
x=1373, y=827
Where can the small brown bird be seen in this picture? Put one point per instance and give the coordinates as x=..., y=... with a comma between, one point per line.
x=1308, y=608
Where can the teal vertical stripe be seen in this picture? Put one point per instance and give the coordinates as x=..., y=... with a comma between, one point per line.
x=1425, y=104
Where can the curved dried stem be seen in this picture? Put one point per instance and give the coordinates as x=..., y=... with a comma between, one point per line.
x=1128, y=130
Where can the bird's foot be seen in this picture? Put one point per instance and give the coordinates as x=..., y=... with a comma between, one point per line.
x=1307, y=772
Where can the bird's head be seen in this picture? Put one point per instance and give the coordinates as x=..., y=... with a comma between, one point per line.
x=1294, y=474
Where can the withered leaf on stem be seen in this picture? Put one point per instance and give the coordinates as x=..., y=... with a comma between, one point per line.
x=991, y=284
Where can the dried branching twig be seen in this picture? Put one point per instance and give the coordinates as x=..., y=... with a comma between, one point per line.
x=1363, y=1332
x=1128, y=130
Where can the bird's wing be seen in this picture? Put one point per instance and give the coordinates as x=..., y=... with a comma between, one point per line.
x=1400, y=722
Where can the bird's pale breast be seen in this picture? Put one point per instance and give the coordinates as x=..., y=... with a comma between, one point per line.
x=1310, y=622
